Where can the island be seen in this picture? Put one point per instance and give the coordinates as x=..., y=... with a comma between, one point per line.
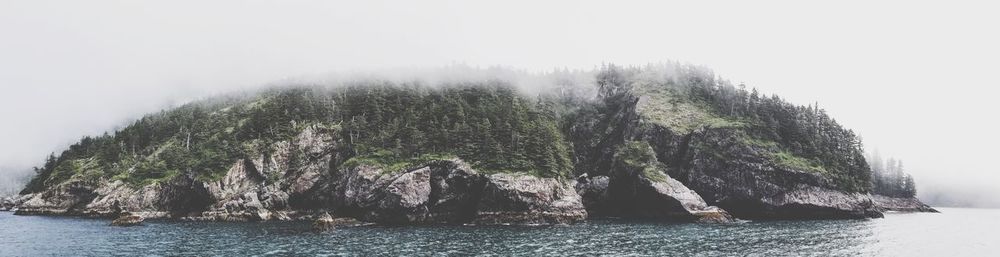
x=668, y=142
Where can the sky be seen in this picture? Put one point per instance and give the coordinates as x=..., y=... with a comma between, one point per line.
x=915, y=79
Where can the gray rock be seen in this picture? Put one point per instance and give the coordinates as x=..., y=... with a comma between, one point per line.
x=749, y=186
x=266, y=188
x=324, y=223
x=406, y=198
x=67, y=198
x=643, y=190
x=594, y=192
x=296, y=181
x=127, y=220
x=900, y=204
x=525, y=199
x=456, y=190
x=7, y=203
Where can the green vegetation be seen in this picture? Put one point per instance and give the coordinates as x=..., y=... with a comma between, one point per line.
x=390, y=162
x=666, y=107
x=684, y=99
x=889, y=177
x=789, y=160
x=638, y=155
x=488, y=124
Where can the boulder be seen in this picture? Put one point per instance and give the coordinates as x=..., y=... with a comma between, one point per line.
x=667, y=199
x=526, y=199
x=640, y=188
x=445, y=191
x=324, y=223
x=406, y=198
x=6, y=203
x=448, y=191
x=456, y=190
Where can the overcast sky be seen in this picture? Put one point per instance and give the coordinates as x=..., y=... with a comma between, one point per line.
x=915, y=80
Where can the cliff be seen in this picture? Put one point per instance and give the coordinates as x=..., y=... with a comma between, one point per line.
x=668, y=143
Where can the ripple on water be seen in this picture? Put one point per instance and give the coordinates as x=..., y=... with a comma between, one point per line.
x=956, y=232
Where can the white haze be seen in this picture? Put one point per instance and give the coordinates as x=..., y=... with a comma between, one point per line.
x=914, y=79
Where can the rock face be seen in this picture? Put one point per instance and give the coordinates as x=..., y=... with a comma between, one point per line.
x=451, y=192
x=10, y=203
x=324, y=223
x=297, y=182
x=738, y=178
x=900, y=204
x=663, y=198
x=68, y=198
x=688, y=182
x=641, y=189
x=6, y=203
x=523, y=199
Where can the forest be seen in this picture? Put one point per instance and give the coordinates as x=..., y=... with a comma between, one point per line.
x=492, y=124
x=487, y=124
x=889, y=178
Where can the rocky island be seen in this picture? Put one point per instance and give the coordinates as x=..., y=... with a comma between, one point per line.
x=666, y=142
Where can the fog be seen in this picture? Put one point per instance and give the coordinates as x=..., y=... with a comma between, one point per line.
x=914, y=79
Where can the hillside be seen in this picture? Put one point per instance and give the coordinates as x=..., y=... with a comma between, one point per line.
x=669, y=142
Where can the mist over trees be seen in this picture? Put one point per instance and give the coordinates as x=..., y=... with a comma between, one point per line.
x=889, y=178
x=805, y=136
x=13, y=180
x=544, y=124
x=487, y=123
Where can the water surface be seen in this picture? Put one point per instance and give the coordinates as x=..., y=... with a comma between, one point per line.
x=955, y=232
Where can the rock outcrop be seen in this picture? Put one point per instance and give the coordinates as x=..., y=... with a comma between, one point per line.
x=448, y=191
x=639, y=188
x=740, y=179
x=127, y=220
x=6, y=203
x=10, y=203
x=524, y=199
x=703, y=177
x=68, y=198
x=297, y=182
x=900, y=204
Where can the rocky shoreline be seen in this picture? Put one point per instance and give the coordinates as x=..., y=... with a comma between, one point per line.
x=282, y=187
x=901, y=204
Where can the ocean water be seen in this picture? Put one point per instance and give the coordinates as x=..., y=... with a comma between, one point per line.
x=955, y=232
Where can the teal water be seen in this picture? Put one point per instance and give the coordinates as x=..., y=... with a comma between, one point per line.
x=955, y=232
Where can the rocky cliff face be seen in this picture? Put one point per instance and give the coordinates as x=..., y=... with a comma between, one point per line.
x=638, y=187
x=738, y=177
x=689, y=162
x=10, y=203
x=708, y=170
x=297, y=181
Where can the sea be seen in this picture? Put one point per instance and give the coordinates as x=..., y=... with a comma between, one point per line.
x=953, y=232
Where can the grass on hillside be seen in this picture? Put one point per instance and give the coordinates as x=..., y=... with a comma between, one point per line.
x=640, y=155
x=663, y=106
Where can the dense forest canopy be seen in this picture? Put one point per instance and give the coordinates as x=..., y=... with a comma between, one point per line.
x=487, y=123
x=685, y=98
x=493, y=124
